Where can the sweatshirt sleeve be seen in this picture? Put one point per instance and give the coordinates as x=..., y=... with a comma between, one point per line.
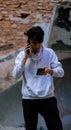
x=58, y=70
x=18, y=67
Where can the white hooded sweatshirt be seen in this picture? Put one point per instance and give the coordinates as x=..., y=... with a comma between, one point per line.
x=37, y=86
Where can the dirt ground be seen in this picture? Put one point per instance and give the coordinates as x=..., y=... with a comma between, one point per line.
x=10, y=128
x=6, y=67
x=6, y=79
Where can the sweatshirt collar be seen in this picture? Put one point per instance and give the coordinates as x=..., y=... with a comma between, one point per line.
x=37, y=57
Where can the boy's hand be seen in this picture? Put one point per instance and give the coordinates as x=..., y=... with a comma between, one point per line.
x=45, y=71
x=27, y=47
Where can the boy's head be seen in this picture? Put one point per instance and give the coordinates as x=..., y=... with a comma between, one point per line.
x=36, y=34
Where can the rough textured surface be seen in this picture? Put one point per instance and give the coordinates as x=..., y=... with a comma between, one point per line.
x=10, y=128
x=17, y=15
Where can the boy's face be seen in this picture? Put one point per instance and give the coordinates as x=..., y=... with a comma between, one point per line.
x=35, y=46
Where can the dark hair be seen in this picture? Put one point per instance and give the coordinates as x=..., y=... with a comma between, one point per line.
x=36, y=34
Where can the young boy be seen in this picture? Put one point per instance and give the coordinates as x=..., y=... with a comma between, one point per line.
x=38, y=65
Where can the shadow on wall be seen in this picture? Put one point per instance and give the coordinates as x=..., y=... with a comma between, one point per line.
x=62, y=19
x=61, y=30
x=63, y=93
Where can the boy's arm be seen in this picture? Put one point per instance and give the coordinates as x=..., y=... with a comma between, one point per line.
x=19, y=65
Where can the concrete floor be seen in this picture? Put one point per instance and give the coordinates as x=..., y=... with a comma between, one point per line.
x=11, y=114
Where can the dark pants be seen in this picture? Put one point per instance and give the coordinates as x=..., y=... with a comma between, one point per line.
x=47, y=108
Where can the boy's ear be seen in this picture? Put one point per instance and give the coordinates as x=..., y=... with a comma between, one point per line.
x=28, y=40
x=25, y=33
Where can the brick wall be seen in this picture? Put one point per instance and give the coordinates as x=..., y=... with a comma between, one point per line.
x=18, y=15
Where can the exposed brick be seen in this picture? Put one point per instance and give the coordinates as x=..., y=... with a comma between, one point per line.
x=16, y=16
